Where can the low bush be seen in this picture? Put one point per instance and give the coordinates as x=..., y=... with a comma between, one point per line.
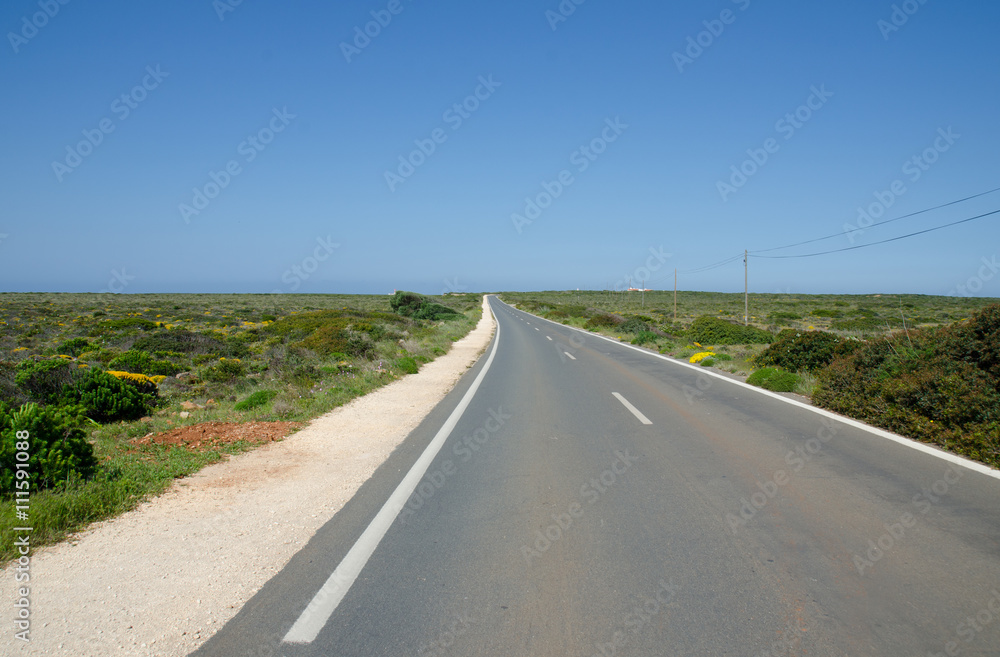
x=141, y=362
x=74, y=346
x=798, y=351
x=226, y=370
x=603, y=320
x=773, y=379
x=56, y=443
x=107, y=398
x=634, y=325
x=129, y=322
x=256, y=400
x=406, y=364
x=644, y=337
x=44, y=380
x=180, y=341
x=417, y=306
x=936, y=385
x=712, y=330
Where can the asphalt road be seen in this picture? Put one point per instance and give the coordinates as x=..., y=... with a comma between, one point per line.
x=594, y=499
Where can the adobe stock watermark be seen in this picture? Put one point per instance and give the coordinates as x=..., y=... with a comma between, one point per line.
x=654, y=262
x=972, y=626
x=580, y=159
x=452, y=286
x=899, y=17
x=714, y=28
x=640, y=616
x=118, y=282
x=975, y=283
x=562, y=13
x=37, y=21
x=301, y=271
x=787, y=126
x=363, y=35
x=913, y=169
x=895, y=532
x=223, y=7
x=590, y=492
x=463, y=450
x=457, y=625
x=796, y=459
x=455, y=117
x=122, y=107
x=249, y=148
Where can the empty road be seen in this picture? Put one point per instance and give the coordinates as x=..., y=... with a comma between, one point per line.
x=575, y=496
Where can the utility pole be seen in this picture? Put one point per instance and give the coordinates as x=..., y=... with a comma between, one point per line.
x=746, y=290
x=675, y=294
x=644, y=293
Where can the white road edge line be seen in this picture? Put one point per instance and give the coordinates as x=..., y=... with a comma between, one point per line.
x=635, y=411
x=882, y=433
x=325, y=602
x=571, y=356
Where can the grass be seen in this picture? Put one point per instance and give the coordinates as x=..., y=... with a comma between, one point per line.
x=270, y=375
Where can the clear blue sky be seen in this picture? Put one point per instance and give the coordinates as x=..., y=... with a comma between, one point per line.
x=110, y=216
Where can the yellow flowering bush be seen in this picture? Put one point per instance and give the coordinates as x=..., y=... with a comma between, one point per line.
x=697, y=358
x=139, y=379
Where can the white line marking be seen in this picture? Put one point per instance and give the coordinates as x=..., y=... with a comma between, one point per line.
x=537, y=329
x=882, y=433
x=571, y=356
x=324, y=603
x=549, y=338
x=635, y=411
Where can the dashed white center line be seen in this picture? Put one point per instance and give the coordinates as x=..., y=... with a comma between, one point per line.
x=571, y=356
x=549, y=338
x=635, y=411
x=537, y=329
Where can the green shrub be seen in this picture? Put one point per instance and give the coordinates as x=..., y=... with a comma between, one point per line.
x=74, y=347
x=603, y=320
x=256, y=400
x=774, y=379
x=181, y=341
x=644, y=337
x=406, y=303
x=798, y=351
x=825, y=312
x=109, y=399
x=634, y=325
x=436, y=312
x=226, y=370
x=712, y=330
x=406, y=364
x=141, y=362
x=783, y=315
x=129, y=322
x=56, y=444
x=936, y=385
x=707, y=362
x=44, y=380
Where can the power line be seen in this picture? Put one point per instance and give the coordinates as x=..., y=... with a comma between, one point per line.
x=891, y=239
x=881, y=223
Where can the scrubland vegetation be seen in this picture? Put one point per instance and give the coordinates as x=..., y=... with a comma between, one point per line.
x=89, y=375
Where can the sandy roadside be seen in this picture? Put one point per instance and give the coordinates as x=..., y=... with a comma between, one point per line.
x=161, y=579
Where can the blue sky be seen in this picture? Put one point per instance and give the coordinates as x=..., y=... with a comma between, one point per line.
x=174, y=93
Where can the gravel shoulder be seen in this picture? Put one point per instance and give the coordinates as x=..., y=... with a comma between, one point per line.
x=162, y=578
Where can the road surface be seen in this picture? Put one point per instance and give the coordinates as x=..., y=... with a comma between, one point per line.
x=595, y=499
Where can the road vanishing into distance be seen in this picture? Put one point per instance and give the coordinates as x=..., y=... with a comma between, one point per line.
x=577, y=496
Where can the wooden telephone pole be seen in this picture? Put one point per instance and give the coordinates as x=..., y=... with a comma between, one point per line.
x=746, y=291
x=675, y=294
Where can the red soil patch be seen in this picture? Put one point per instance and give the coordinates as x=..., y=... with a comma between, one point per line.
x=213, y=434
